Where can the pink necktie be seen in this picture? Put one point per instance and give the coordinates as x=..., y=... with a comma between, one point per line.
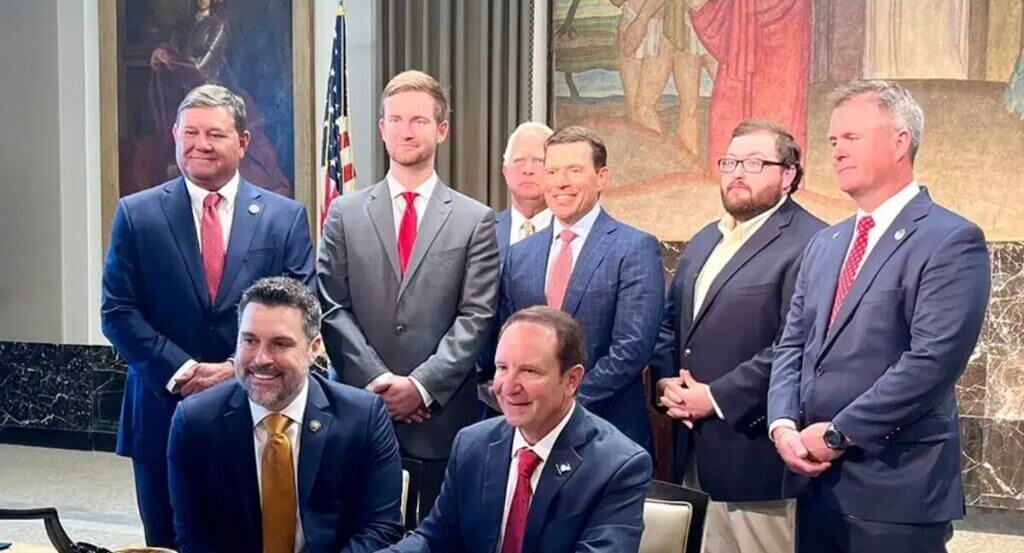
x=407, y=230
x=852, y=265
x=213, y=244
x=515, y=527
x=558, y=281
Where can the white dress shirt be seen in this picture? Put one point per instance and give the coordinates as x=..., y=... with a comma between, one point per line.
x=540, y=221
x=226, y=212
x=734, y=235
x=582, y=230
x=295, y=411
x=543, y=449
x=423, y=192
x=884, y=215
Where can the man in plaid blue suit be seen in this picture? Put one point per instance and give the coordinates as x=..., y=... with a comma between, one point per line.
x=606, y=274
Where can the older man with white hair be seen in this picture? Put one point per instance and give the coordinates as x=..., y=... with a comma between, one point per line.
x=523, y=168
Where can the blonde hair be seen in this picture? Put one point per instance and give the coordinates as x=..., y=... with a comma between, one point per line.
x=418, y=81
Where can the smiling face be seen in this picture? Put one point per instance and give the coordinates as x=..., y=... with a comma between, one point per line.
x=529, y=384
x=572, y=183
x=273, y=354
x=867, y=149
x=207, y=146
x=410, y=129
x=746, y=195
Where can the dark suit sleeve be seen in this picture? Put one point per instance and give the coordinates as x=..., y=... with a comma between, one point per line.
x=440, y=531
x=616, y=523
x=664, y=358
x=445, y=370
x=298, y=252
x=788, y=354
x=346, y=344
x=123, y=321
x=380, y=479
x=191, y=523
x=639, y=303
x=948, y=314
x=742, y=393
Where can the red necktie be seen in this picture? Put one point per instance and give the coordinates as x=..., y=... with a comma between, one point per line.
x=407, y=230
x=213, y=244
x=561, y=270
x=852, y=265
x=515, y=527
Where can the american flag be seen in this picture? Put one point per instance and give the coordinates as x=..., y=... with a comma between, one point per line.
x=336, y=154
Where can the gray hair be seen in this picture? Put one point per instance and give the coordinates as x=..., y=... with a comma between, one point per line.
x=530, y=127
x=282, y=291
x=214, y=96
x=904, y=111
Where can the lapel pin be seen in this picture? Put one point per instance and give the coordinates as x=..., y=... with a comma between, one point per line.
x=314, y=425
x=254, y=208
x=563, y=468
x=836, y=235
x=900, y=234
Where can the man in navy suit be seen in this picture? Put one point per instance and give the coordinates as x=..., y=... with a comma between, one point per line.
x=725, y=308
x=280, y=460
x=180, y=256
x=548, y=477
x=887, y=309
x=606, y=274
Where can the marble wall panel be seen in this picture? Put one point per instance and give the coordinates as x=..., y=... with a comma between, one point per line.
x=1001, y=348
x=1001, y=472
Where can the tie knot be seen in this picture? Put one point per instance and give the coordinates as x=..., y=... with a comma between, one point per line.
x=567, y=236
x=528, y=461
x=865, y=224
x=410, y=197
x=527, y=227
x=212, y=200
x=276, y=423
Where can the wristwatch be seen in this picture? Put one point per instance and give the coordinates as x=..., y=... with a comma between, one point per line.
x=834, y=438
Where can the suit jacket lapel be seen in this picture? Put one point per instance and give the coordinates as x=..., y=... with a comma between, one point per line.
x=311, y=445
x=497, y=461
x=178, y=209
x=237, y=434
x=434, y=217
x=503, y=227
x=595, y=248
x=382, y=216
x=769, y=231
x=558, y=469
x=535, y=263
x=903, y=226
x=244, y=223
x=699, y=250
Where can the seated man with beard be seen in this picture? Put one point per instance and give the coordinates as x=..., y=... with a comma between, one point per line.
x=279, y=460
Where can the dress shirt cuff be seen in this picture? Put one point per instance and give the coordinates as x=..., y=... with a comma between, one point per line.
x=427, y=398
x=718, y=410
x=379, y=380
x=172, y=385
x=780, y=423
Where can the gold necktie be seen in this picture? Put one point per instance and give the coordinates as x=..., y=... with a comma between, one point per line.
x=278, y=487
x=527, y=229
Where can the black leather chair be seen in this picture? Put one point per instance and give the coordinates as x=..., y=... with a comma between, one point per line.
x=54, y=530
x=411, y=495
x=674, y=519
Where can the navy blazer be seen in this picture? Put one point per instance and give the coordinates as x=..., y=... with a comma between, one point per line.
x=886, y=370
x=349, y=472
x=156, y=307
x=729, y=347
x=503, y=229
x=590, y=496
x=616, y=293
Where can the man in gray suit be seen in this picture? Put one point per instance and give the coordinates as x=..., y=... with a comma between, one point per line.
x=408, y=275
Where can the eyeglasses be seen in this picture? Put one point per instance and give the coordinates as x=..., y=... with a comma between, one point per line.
x=752, y=165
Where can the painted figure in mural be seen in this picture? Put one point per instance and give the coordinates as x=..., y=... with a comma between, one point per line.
x=895, y=47
x=197, y=53
x=763, y=48
x=1013, y=98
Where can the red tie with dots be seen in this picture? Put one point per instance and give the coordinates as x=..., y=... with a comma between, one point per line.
x=852, y=265
x=515, y=528
x=407, y=230
x=213, y=244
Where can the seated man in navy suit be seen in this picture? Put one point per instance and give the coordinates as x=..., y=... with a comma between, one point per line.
x=279, y=460
x=548, y=477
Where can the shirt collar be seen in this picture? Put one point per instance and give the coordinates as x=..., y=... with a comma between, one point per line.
x=543, y=446
x=424, y=189
x=886, y=213
x=581, y=227
x=295, y=410
x=197, y=194
x=728, y=224
x=541, y=219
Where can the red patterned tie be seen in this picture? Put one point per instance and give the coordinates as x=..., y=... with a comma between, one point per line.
x=515, y=527
x=558, y=282
x=852, y=265
x=213, y=244
x=407, y=230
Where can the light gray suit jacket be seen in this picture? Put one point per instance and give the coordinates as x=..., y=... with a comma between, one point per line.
x=431, y=324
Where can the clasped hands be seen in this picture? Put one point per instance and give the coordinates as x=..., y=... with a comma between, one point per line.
x=402, y=399
x=684, y=398
x=804, y=451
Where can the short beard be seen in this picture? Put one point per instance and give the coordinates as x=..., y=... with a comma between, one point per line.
x=756, y=204
x=273, y=400
x=412, y=159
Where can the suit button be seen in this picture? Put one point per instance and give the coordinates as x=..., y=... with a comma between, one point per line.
x=818, y=371
x=400, y=328
x=687, y=352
